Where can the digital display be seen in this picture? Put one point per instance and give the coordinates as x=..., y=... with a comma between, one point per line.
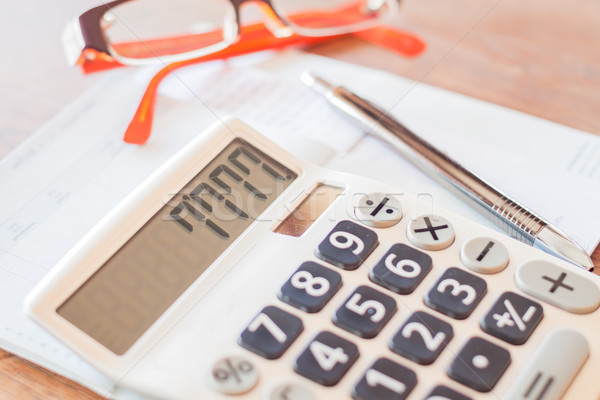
x=120, y=301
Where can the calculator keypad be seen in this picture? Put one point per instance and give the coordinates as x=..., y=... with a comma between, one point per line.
x=456, y=293
x=385, y=380
x=310, y=287
x=479, y=364
x=401, y=269
x=365, y=312
x=271, y=332
x=326, y=359
x=422, y=338
x=347, y=245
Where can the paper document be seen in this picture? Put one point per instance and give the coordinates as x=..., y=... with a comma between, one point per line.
x=63, y=180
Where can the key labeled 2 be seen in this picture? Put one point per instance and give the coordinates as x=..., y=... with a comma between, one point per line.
x=365, y=312
x=422, y=338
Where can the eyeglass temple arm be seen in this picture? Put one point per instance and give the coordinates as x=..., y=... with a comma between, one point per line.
x=140, y=127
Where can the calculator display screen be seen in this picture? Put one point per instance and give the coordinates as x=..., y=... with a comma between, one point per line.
x=120, y=301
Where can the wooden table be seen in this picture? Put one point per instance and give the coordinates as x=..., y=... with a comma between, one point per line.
x=537, y=56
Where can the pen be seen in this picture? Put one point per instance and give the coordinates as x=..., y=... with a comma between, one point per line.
x=519, y=222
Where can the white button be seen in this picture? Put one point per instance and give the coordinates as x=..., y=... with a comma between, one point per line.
x=290, y=391
x=484, y=255
x=233, y=375
x=559, y=286
x=378, y=210
x=430, y=232
x=552, y=367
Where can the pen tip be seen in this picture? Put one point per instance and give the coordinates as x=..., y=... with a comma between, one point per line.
x=553, y=241
x=315, y=82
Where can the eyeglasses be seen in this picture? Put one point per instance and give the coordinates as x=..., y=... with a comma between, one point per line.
x=112, y=35
x=137, y=32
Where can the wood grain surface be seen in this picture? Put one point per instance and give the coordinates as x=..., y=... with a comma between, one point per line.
x=540, y=57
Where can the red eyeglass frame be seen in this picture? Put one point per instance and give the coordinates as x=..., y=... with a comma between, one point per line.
x=251, y=38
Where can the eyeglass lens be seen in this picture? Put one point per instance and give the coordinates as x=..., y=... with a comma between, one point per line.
x=151, y=28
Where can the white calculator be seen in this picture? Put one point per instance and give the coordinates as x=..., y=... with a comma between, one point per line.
x=238, y=271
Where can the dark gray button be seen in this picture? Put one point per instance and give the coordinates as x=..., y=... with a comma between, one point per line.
x=512, y=318
x=401, y=269
x=326, y=359
x=365, y=312
x=553, y=366
x=557, y=285
x=445, y=393
x=479, y=365
x=271, y=332
x=456, y=293
x=347, y=245
x=422, y=338
x=385, y=380
x=310, y=287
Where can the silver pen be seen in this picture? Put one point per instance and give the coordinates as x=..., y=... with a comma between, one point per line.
x=519, y=222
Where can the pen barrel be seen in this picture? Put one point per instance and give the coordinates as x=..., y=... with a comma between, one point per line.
x=516, y=220
x=519, y=222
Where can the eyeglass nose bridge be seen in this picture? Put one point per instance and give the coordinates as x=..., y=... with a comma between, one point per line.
x=274, y=21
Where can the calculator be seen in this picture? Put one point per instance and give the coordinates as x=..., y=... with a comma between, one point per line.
x=238, y=271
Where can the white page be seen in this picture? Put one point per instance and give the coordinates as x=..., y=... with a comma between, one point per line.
x=543, y=165
x=65, y=178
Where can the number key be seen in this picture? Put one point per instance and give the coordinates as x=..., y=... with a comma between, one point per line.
x=385, y=380
x=365, y=312
x=422, y=338
x=326, y=359
x=347, y=245
x=456, y=293
x=271, y=332
x=310, y=287
x=401, y=269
